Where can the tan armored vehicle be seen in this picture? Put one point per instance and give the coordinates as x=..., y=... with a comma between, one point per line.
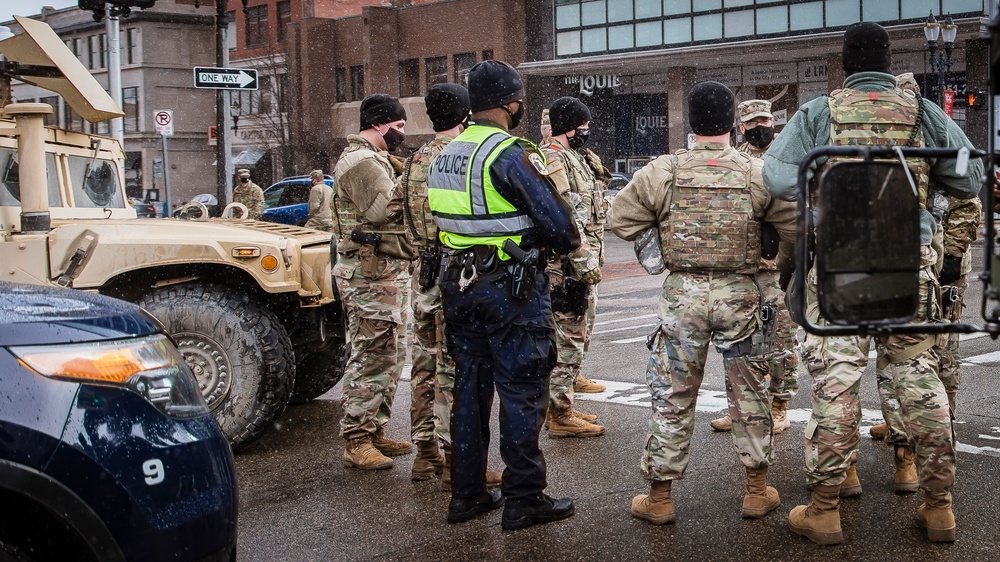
x=250, y=304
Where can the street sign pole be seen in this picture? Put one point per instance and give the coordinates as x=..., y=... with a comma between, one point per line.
x=221, y=147
x=164, y=121
x=166, y=176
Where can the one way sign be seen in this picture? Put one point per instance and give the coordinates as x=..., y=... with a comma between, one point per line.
x=229, y=78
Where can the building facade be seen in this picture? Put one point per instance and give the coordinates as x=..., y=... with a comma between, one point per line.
x=159, y=48
x=634, y=61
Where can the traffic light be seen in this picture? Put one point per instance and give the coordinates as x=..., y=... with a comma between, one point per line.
x=977, y=99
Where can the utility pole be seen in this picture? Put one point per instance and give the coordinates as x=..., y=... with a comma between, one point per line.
x=221, y=111
x=115, y=71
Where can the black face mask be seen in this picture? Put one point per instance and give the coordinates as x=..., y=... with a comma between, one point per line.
x=515, y=118
x=393, y=139
x=759, y=136
x=579, y=139
x=244, y=180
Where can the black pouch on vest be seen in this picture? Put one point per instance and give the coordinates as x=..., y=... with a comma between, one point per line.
x=430, y=263
x=570, y=296
x=768, y=241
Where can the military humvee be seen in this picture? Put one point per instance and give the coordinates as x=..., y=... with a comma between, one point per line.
x=251, y=305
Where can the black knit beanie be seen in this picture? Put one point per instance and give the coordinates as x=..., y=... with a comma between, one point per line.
x=447, y=105
x=866, y=47
x=711, y=109
x=378, y=109
x=493, y=83
x=566, y=114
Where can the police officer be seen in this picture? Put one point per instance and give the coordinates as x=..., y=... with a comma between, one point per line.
x=249, y=194
x=836, y=363
x=497, y=215
x=573, y=279
x=709, y=296
x=372, y=274
x=433, y=374
x=757, y=127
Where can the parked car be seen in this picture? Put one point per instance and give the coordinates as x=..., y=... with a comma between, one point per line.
x=143, y=209
x=617, y=183
x=108, y=451
x=287, y=201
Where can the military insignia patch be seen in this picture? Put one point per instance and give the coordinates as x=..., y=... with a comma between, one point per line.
x=538, y=163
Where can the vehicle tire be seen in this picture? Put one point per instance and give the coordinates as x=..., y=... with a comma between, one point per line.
x=237, y=349
x=317, y=370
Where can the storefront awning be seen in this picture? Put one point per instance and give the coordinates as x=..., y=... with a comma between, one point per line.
x=248, y=157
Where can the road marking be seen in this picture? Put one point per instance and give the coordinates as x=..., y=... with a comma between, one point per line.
x=992, y=357
x=619, y=320
x=631, y=340
x=626, y=328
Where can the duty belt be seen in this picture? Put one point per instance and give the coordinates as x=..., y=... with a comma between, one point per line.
x=478, y=262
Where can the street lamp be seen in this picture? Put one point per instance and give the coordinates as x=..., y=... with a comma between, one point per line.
x=941, y=64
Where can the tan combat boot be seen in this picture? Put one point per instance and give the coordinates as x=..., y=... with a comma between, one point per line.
x=656, y=507
x=905, y=480
x=852, y=484
x=390, y=447
x=820, y=520
x=589, y=418
x=879, y=432
x=760, y=498
x=568, y=425
x=779, y=415
x=587, y=386
x=493, y=478
x=936, y=516
x=725, y=423
x=360, y=453
x=428, y=462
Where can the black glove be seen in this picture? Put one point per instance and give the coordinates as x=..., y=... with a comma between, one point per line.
x=951, y=270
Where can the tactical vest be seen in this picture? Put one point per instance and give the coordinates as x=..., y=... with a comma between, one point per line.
x=582, y=182
x=711, y=225
x=421, y=229
x=889, y=118
x=467, y=208
x=349, y=216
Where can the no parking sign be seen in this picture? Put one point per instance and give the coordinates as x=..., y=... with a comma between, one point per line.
x=164, y=121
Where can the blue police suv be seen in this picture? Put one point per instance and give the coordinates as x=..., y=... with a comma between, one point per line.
x=107, y=450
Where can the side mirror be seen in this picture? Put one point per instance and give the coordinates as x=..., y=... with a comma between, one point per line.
x=867, y=230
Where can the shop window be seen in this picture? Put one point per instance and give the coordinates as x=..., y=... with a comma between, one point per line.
x=772, y=20
x=621, y=37
x=357, y=82
x=677, y=31
x=647, y=9
x=648, y=34
x=436, y=69
x=738, y=24
x=256, y=26
x=567, y=16
x=340, y=83
x=842, y=12
x=284, y=18
x=806, y=16
x=463, y=62
x=130, y=106
x=568, y=43
x=409, y=78
x=595, y=40
x=676, y=7
x=594, y=12
x=619, y=11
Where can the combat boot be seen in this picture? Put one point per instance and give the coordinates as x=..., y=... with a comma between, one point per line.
x=936, y=516
x=879, y=432
x=779, y=415
x=725, y=423
x=852, y=484
x=820, y=520
x=760, y=498
x=390, y=447
x=360, y=453
x=656, y=507
x=428, y=462
x=587, y=386
x=589, y=418
x=568, y=425
x=905, y=481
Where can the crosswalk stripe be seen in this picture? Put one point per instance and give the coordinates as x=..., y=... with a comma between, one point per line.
x=629, y=319
x=625, y=329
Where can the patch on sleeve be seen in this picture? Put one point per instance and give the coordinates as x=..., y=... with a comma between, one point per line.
x=536, y=161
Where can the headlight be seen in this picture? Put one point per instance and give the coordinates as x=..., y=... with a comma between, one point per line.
x=149, y=366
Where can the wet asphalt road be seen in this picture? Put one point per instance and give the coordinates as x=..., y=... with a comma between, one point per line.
x=298, y=502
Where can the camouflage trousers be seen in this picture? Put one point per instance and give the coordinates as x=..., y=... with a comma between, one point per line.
x=375, y=325
x=432, y=380
x=573, y=333
x=697, y=309
x=948, y=371
x=837, y=364
x=782, y=358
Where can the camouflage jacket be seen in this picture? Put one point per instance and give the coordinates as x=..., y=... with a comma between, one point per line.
x=961, y=226
x=646, y=200
x=320, y=207
x=365, y=198
x=420, y=227
x=252, y=196
x=574, y=180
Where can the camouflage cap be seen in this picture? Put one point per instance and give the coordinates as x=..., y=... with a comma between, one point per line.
x=243, y=173
x=316, y=174
x=751, y=109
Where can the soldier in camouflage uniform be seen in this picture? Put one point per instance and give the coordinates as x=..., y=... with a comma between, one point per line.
x=573, y=279
x=372, y=274
x=250, y=194
x=757, y=127
x=870, y=97
x=320, y=197
x=433, y=376
x=707, y=204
